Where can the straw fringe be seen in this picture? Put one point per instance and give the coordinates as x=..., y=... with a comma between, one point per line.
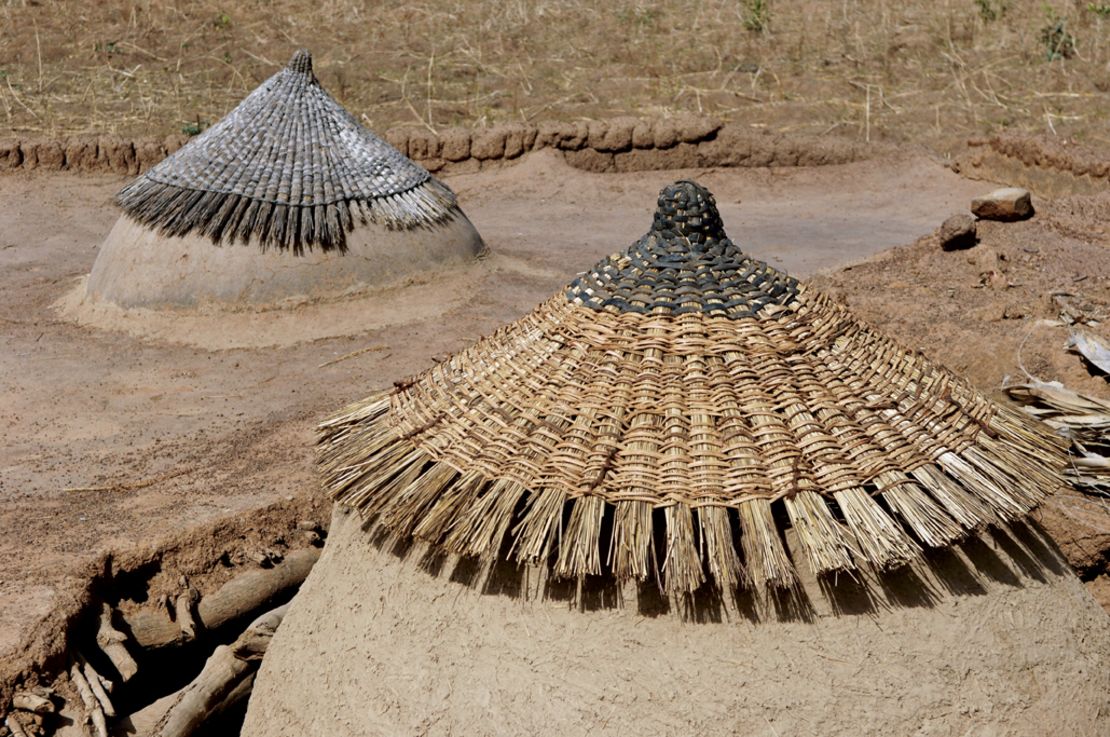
x=229, y=218
x=289, y=169
x=371, y=463
x=827, y=546
x=764, y=553
x=725, y=568
x=630, y=551
x=881, y=540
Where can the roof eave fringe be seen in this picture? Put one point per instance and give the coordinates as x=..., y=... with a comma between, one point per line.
x=370, y=466
x=230, y=218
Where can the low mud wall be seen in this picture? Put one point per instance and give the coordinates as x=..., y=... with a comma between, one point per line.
x=1047, y=166
x=619, y=144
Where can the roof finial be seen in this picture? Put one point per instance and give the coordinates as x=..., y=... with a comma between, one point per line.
x=301, y=62
x=687, y=210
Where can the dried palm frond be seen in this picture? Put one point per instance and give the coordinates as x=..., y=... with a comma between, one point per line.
x=1081, y=419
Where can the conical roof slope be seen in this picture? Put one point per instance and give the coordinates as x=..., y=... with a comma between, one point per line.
x=290, y=168
x=673, y=412
x=327, y=211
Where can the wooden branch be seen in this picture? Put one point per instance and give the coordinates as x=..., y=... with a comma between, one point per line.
x=98, y=687
x=32, y=702
x=183, y=611
x=220, y=679
x=246, y=593
x=112, y=643
x=15, y=726
x=93, y=712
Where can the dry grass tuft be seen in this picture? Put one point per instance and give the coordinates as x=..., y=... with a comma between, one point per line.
x=874, y=69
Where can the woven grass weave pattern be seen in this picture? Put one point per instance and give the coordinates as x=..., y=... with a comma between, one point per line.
x=685, y=263
x=290, y=167
x=678, y=430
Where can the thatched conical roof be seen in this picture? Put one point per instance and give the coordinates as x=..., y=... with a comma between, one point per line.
x=290, y=168
x=672, y=413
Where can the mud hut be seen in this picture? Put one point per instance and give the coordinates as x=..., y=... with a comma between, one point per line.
x=686, y=495
x=288, y=196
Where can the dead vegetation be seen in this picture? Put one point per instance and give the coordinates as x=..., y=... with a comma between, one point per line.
x=873, y=70
x=118, y=657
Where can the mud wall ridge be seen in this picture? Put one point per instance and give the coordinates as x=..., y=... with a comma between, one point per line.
x=617, y=144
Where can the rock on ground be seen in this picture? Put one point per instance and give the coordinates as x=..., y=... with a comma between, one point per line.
x=1009, y=203
x=957, y=232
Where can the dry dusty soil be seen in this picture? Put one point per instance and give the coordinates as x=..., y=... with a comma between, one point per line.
x=119, y=431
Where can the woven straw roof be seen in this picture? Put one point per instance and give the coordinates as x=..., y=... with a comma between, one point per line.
x=672, y=413
x=290, y=168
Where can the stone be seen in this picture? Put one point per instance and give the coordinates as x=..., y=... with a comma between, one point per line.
x=11, y=154
x=666, y=133
x=573, y=136
x=1007, y=204
x=117, y=155
x=514, y=141
x=50, y=155
x=595, y=134
x=618, y=135
x=548, y=134
x=423, y=145
x=957, y=232
x=691, y=128
x=398, y=138
x=148, y=153
x=642, y=137
x=456, y=144
x=81, y=154
x=528, y=136
x=488, y=143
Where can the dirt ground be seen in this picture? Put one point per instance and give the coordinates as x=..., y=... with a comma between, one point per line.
x=116, y=437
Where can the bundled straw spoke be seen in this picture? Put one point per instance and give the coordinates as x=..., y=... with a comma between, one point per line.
x=580, y=546
x=767, y=561
x=928, y=520
x=825, y=543
x=719, y=550
x=882, y=541
x=682, y=568
x=630, y=551
x=536, y=536
x=673, y=413
x=284, y=170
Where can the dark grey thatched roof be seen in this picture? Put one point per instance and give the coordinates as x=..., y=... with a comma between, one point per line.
x=290, y=167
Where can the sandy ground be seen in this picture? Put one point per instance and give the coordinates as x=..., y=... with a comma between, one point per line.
x=109, y=438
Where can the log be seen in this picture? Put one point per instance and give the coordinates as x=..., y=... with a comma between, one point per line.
x=15, y=726
x=222, y=676
x=98, y=687
x=93, y=712
x=32, y=702
x=237, y=598
x=183, y=612
x=112, y=643
x=146, y=720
